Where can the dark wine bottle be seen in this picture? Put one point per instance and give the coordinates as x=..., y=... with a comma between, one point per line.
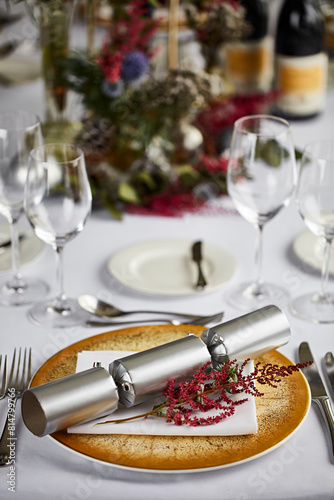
x=301, y=62
x=249, y=62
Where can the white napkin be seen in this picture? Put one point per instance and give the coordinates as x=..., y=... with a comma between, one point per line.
x=242, y=422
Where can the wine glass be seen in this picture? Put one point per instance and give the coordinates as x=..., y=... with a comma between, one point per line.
x=20, y=132
x=315, y=201
x=260, y=181
x=58, y=201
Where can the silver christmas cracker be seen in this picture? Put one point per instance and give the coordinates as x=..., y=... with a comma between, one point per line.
x=144, y=375
x=69, y=401
x=247, y=336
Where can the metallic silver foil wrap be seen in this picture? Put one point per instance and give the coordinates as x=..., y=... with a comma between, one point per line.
x=247, y=336
x=144, y=375
x=68, y=401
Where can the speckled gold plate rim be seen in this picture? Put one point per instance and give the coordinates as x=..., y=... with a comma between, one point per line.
x=279, y=413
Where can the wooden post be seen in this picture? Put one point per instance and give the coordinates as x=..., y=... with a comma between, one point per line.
x=91, y=11
x=173, y=25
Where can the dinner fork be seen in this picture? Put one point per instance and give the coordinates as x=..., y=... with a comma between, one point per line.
x=19, y=378
x=3, y=376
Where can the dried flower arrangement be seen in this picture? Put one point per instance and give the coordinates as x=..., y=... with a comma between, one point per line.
x=215, y=23
x=208, y=389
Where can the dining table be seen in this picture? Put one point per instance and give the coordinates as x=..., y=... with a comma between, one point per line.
x=299, y=468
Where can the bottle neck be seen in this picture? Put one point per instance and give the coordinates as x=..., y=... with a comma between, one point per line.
x=257, y=15
x=300, y=28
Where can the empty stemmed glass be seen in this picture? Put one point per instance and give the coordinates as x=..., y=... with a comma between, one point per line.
x=260, y=181
x=57, y=203
x=315, y=201
x=20, y=132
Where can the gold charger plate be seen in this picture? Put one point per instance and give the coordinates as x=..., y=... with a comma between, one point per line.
x=279, y=413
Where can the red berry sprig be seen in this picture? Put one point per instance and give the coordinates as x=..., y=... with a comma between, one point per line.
x=208, y=389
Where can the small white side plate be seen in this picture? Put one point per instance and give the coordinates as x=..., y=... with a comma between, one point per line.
x=30, y=247
x=165, y=267
x=310, y=249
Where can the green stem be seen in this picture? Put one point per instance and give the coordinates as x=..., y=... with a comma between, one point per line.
x=142, y=415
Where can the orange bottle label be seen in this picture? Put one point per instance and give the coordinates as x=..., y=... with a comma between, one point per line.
x=301, y=83
x=291, y=79
x=247, y=63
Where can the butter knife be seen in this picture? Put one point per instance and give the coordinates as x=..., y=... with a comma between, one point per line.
x=318, y=391
x=329, y=366
x=197, y=257
x=8, y=242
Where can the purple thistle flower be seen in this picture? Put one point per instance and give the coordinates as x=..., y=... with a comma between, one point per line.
x=135, y=65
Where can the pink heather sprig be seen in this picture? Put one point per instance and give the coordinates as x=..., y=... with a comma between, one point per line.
x=111, y=64
x=135, y=31
x=208, y=389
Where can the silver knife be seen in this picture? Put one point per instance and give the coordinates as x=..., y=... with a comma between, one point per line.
x=318, y=391
x=197, y=257
x=329, y=366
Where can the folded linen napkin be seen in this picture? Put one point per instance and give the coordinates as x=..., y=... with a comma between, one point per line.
x=242, y=422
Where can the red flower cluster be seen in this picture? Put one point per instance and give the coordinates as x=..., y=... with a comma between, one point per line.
x=196, y=395
x=129, y=34
x=169, y=204
x=223, y=113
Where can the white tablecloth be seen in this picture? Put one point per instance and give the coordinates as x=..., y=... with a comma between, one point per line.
x=299, y=469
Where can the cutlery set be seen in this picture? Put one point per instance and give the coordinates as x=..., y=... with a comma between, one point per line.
x=105, y=310
x=318, y=390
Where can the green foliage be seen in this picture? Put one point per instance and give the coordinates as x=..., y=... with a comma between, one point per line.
x=270, y=152
x=127, y=193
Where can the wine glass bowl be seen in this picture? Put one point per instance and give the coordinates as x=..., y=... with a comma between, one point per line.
x=260, y=182
x=20, y=132
x=57, y=203
x=315, y=202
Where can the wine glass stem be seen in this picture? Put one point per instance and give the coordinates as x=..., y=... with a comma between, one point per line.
x=16, y=281
x=258, y=258
x=61, y=298
x=325, y=269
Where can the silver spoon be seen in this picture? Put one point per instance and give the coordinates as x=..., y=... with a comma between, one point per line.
x=105, y=310
x=217, y=318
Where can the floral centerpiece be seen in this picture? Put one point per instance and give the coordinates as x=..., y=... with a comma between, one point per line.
x=141, y=147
